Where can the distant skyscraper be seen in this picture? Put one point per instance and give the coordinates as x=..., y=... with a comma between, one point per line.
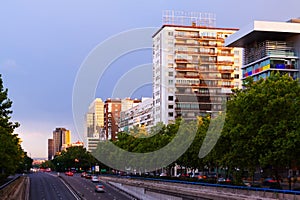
x=50, y=149
x=94, y=124
x=61, y=136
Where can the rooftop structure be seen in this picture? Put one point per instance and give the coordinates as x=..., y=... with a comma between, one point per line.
x=268, y=46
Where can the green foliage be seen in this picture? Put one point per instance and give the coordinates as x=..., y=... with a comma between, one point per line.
x=74, y=157
x=262, y=124
x=11, y=153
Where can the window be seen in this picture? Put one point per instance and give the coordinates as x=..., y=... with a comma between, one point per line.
x=170, y=114
x=236, y=76
x=170, y=106
x=170, y=98
x=171, y=74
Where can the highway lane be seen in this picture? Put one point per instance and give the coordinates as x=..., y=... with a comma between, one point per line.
x=87, y=189
x=44, y=186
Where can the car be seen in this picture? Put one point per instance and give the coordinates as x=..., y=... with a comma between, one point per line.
x=224, y=180
x=221, y=180
x=201, y=176
x=95, y=179
x=83, y=174
x=88, y=176
x=269, y=181
x=163, y=174
x=99, y=188
x=69, y=173
x=247, y=183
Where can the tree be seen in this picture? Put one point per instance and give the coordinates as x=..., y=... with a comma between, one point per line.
x=262, y=124
x=74, y=157
x=11, y=153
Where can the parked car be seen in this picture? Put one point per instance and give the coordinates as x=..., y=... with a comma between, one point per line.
x=201, y=176
x=212, y=175
x=269, y=181
x=99, y=188
x=224, y=180
x=95, y=179
x=163, y=174
x=247, y=183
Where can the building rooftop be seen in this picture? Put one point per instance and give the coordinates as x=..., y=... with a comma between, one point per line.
x=263, y=30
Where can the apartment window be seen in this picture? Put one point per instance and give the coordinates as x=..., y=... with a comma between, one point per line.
x=236, y=84
x=170, y=57
x=170, y=114
x=170, y=106
x=170, y=98
x=236, y=76
x=170, y=90
x=170, y=82
x=171, y=74
x=236, y=52
x=170, y=33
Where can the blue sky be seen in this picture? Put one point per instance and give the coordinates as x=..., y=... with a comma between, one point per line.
x=44, y=43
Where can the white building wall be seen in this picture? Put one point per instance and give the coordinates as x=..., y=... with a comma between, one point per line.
x=164, y=55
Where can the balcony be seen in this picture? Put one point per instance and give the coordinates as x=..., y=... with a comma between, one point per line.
x=181, y=60
x=225, y=62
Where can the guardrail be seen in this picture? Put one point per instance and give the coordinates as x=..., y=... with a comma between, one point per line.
x=264, y=192
x=16, y=188
x=222, y=185
x=9, y=182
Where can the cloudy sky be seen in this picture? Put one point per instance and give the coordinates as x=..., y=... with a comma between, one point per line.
x=44, y=44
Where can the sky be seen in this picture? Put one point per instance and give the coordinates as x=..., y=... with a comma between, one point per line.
x=44, y=44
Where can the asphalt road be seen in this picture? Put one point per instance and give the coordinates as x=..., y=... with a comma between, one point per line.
x=86, y=189
x=44, y=186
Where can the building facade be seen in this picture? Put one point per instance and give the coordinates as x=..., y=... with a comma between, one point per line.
x=193, y=72
x=94, y=120
x=75, y=144
x=138, y=115
x=269, y=46
x=50, y=149
x=61, y=137
x=112, y=111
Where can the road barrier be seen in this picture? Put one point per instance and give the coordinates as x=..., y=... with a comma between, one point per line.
x=16, y=188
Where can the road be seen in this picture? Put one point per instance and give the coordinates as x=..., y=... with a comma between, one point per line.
x=44, y=186
x=87, y=189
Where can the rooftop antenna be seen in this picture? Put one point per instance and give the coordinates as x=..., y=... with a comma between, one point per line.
x=184, y=18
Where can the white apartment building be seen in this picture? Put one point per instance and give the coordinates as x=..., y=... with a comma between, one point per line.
x=139, y=115
x=193, y=72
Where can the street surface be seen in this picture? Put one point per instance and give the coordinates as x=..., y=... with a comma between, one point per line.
x=86, y=188
x=44, y=186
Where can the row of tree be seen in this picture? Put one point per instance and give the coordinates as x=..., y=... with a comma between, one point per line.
x=13, y=158
x=261, y=130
